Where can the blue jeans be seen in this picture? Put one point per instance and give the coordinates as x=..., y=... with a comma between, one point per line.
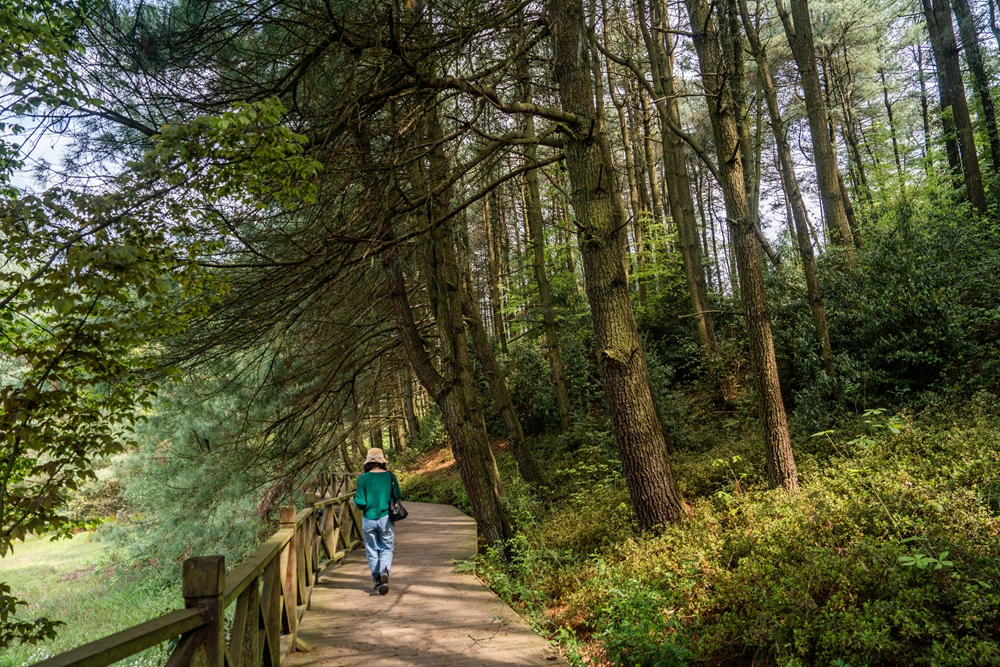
x=379, y=536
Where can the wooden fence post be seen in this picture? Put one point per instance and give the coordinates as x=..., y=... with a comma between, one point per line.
x=204, y=580
x=289, y=571
x=309, y=544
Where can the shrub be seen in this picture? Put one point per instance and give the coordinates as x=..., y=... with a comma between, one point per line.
x=915, y=318
x=890, y=554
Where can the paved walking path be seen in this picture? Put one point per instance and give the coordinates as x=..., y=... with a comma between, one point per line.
x=431, y=617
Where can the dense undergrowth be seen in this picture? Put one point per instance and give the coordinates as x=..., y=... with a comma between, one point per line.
x=889, y=555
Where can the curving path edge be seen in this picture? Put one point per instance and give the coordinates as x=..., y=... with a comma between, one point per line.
x=432, y=616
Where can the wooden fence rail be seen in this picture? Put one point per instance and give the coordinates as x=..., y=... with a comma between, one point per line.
x=271, y=590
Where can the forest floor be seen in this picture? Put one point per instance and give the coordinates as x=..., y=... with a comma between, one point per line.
x=70, y=581
x=889, y=553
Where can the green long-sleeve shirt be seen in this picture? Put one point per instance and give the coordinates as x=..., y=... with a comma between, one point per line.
x=374, y=493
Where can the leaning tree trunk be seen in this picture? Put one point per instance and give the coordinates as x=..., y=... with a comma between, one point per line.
x=949, y=71
x=780, y=462
x=469, y=442
x=790, y=183
x=800, y=39
x=601, y=219
x=453, y=388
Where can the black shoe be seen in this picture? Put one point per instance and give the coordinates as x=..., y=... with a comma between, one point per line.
x=377, y=587
x=383, y=584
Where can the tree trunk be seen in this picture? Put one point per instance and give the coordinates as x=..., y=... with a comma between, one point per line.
x=412, y=423
x=526, y=464
x=852, y=146
x=638, y=212
x=567, y=237
x=793, y=194
x=850, y=128
x=892, y=127
x=619, y=104
x=924, y=111
x=400, y=435
x=536, y=233
x=780, y=462
x=469, y=443
x=660, y=51
x=994, y=26
x=949, y=71
x=344, y=452
x=800, y=39
x=648, y=155
x=454, y=387
x=491, y=218
x=375, y=423
x=712, y=276
x=947, y=119
x=980, y=78
x=601, y=219
x=731, y=37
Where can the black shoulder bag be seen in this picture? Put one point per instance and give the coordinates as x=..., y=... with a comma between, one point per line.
x=396, y=510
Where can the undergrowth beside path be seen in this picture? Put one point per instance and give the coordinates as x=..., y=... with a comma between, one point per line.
x=889, y=555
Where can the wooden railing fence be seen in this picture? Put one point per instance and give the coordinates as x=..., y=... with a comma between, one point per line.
x=271, y=590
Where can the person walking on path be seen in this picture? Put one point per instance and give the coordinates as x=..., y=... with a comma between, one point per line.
x=376, y=489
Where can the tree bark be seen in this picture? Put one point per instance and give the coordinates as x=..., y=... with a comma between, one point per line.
x=536, y=232
x=454, y=387
x=892, y=126
x=601, y=220
x=780, y=461
x=949, y=71
x=412, y=423
x=800, y=39
x=980, y=78
x=660, y=50
x=491, y=218
x=790, y=184
x=924, y=111
x=526, y=464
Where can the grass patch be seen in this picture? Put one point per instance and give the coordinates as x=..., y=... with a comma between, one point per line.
x=69, y=581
